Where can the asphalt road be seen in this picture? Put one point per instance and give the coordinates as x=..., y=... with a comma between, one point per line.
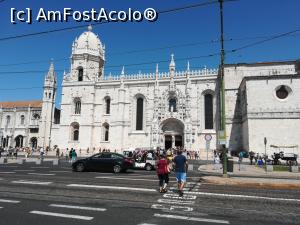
x=47, y=194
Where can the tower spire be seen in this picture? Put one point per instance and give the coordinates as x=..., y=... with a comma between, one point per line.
x=51, y=76
x=172, y=63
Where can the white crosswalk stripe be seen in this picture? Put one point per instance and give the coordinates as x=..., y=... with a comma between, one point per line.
x=9, y=201
x=31, y=182
x=78, y=207
x=190, y=218
x=61, y=215
x=42, y=174
x=112, y=187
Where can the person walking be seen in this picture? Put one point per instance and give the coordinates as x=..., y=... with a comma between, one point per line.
x=57, y=152
x=67, y=154
x=70, y=155
x=42, y=153
x=162, y=170
x=74, y=155
x=181, y=166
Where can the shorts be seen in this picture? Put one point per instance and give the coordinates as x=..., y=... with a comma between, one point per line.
x=180, y=177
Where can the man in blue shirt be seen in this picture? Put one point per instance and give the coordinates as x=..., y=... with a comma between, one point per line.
x=180, y=170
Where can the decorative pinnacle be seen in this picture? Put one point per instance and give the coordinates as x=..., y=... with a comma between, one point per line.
x=123, y=71
x=188, y=66
x=172, y=63
x=90, y=28
x=156, y=68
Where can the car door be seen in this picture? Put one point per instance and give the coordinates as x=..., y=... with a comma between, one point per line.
x=106, y=161
x=94, y=162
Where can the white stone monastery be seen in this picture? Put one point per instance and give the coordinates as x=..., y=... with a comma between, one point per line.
x=177, y=108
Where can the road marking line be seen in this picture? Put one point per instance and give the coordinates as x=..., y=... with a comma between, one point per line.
x=133, y=179
x=146, y=224
x=175, y=189
x=9, y=201
x=172, y=201
x=60, y=171
x=175, y=196
x=112, y=187
x=242, y=196
x=31, y=182
x=61, y=215
x=78, y=207
x=8, y=172
x=24, y=170
x=40, y=167
x=42, y=174
x=172, y=207
x=190, y=218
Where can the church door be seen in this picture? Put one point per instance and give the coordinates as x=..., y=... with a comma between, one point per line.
x=168, y=142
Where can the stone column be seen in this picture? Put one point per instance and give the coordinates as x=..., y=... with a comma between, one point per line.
x=173, y=141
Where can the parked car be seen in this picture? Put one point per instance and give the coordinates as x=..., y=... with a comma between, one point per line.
x=105, y=161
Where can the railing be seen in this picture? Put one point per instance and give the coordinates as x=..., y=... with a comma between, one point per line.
x=161, y=75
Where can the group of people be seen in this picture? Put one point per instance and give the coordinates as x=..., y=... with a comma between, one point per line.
x=164, y=166
x=71, y=155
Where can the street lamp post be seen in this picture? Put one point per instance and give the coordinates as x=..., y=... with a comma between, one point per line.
x=222, y=130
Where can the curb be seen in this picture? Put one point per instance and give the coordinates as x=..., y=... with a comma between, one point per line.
x=231, y=182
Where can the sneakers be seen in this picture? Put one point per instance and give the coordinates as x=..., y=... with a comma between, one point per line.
x=180, y=193
x=162, y=190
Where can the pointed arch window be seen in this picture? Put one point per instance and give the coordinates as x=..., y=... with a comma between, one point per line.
x=80, y=73
x=105, y=129
x=75, y=131
x=172, y=105
x=107, y=105
x=139, y=113
x=7, y=121
x=77, y=108
x=208, y=114
x=22, y=120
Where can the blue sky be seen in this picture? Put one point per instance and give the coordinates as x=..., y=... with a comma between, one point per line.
x=244, y=20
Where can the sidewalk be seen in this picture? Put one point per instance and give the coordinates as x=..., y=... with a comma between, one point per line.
x=251, y=176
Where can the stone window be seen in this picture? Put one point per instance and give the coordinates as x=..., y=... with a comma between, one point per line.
x=282, y=92
x=208, y=113
x=22, y=120
x=7, y=120
x=105, y=128
x=172, y=105
x=80, y=73
x=139, y=113
x=75, y=131
x=107, y=105
x=77, y=104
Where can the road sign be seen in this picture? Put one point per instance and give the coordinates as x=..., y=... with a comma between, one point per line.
x=207, y=137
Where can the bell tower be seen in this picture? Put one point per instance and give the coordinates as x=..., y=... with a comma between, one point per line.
x=48, y=106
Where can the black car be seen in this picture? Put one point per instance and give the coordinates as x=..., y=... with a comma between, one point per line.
x=105, y=161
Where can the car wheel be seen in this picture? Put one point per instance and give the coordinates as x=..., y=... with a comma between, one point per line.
x=148, y=167
x=80, y=167
x=117, y=169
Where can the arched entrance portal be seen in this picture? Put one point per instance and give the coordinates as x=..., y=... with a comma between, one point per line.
x=173, y=133
x=19, y=141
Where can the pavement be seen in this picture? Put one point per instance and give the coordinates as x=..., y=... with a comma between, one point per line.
x=250, y=176
x=53, y=194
